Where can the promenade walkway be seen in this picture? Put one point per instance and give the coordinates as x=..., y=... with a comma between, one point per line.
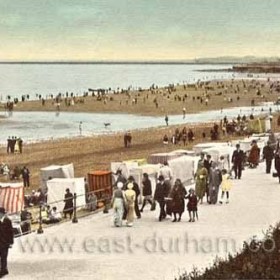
x=150, y=250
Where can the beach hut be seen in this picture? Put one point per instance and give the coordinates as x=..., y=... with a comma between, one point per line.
x=151, y=169
x=183, y=152
x=217, y=152
x=55, y=171
x=100, y=182
x=202, y=146
x=162, y=157
x=57, y=187
x=184, y=168
x=124, y=167
x=12, y=197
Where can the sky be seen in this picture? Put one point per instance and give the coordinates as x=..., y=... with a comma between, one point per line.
x=86, y=30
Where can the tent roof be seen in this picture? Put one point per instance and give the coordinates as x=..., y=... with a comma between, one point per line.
x=52, y=167
x=12, y=185
x=62, y=180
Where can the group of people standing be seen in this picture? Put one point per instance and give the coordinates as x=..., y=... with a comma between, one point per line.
x=171, y=199
x=14, y=145
x=209, y=177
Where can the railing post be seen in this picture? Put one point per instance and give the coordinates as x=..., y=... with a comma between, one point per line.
x=40, y=229
x=75, y=220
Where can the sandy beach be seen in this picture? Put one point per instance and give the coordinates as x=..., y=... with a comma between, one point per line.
x=203, y=96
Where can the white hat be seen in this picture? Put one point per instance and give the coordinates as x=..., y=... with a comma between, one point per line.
x=119, y=185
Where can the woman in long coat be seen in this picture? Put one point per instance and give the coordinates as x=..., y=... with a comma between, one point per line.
x=118, y=201
x=130, y=197
x=201, y=181
x=254, y=155
x=215, y=180
x=177, y=195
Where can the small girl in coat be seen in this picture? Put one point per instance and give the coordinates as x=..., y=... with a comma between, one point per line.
x=225, y=186
x=192, y=205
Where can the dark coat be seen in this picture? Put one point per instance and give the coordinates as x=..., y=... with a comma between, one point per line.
x=147, y=187
x=192, y=203
x=68, y=199
x=178, y=199
x=6, y=233
x=207, y=164
x=254, y=155
x=268, y=153
x=161, y=192
x=237, y=157
x=277, y=164
x=25, y=173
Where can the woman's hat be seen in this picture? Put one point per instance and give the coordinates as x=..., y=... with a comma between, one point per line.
x=130, y=178
x=191, y=190
x=2, y=210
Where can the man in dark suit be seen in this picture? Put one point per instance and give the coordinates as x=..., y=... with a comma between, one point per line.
x=207, y=164
x=237, y=160
x=161, y=193
x=268, y=155
x=6, y=240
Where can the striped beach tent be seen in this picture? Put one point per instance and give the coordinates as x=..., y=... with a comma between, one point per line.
x=12, y=197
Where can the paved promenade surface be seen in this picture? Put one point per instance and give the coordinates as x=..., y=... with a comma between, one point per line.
x=94, y=249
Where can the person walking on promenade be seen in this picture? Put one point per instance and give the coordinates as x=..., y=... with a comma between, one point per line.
x=215, y=179
x=237, y=161
x=254, y=155
x=201, y=181
x=161, y=193
x=136, y=189
x=192, y=204
x=69, y=205
x=277, y=163
x=177, y=195
x=26, y=177
x=6, y=240
x=118, y=202
x=268, y=154
x=146, y=191
x=130, y=197
x=225, y=186
x=167, y=174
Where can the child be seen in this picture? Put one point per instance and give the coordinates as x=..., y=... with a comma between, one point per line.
x=192, y=205
x=226, y=185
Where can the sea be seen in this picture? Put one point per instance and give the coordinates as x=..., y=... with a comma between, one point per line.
x=45, y=79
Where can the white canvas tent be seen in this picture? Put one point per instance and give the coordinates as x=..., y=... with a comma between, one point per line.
x=184, y=168
x=217, y=152
x=200, y=147
x=57, y=187
x=151, y=169
x=124, y=167
x=183, y=152
x=56, y=171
